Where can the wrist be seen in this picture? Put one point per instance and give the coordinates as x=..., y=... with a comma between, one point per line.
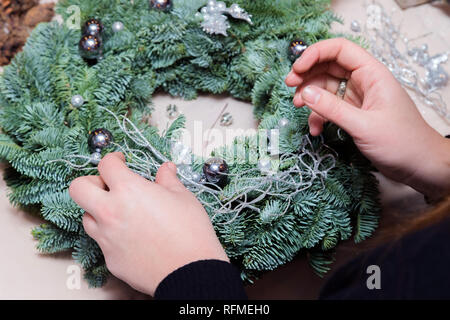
x=432, y=177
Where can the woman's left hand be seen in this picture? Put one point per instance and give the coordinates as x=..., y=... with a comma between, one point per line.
x=146, y=230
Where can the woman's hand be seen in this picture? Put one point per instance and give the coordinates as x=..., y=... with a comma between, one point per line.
x=145, y=229
x=376, y=111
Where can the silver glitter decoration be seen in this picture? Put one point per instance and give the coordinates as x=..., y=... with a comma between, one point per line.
x=411, y=65
x=435, y=75
x=187, y=171
x=265, y=165
x=214, y=19
x=283, y=123
x=77, y=101
x=226, y=120
x=180, y=154
x=117, y=26
x=355, y=26
x=196, y=176
x=172, y=111
x=250, y=187
x=96, y=157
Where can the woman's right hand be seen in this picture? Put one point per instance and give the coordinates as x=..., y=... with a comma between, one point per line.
x=376, y=111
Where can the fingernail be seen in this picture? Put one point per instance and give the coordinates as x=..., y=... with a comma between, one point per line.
x=297, y=61
x=172, y=167
x=311, y=95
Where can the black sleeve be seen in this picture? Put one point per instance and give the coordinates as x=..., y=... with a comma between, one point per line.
x=202, y=280
x=414, y=267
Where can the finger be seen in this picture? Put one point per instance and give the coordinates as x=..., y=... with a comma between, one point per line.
x=346, y=53
x=98, y=181
x=336, y=110
x=293, y=79
x=331, y=68
x=113, y=170
x=316, y=123
x=87, y=194
x=323, y=81
x=90, y=225
x=167, y=177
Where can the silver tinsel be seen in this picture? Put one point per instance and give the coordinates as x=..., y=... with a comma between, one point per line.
x=412, y=65
x=181, y=154
x=265, y=165
x=214, y=19
x=305, y=166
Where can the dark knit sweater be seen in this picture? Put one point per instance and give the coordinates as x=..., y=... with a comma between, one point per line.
x=415, y=267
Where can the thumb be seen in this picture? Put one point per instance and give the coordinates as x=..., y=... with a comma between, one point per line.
x=167, y=176
x=333, y=108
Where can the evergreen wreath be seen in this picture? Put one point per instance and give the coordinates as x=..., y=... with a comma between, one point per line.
x=170, y=52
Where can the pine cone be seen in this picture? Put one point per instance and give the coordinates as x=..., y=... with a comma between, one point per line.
x=37, y=14
x=17, y=6
x=17, y=18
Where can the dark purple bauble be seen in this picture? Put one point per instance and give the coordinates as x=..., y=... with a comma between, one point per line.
x=90, y=47
x=216, y=172
x=296, y=49
x=162, y=5
x=99, y=139
x=93, y=27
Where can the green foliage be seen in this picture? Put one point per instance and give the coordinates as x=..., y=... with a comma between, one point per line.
x=170, y=52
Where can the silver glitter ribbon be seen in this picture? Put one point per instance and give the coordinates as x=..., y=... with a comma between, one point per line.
x=413, y=67
x=214, y=19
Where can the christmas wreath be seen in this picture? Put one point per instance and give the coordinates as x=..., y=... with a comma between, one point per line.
x=72, y=95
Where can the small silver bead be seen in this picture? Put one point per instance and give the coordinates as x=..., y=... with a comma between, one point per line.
x=355, y=26
x=96, y=157
x=283, y=123
x=117, y=26
x=77, y=101
x=196, y=177
x=221, y=5
x=212, y=10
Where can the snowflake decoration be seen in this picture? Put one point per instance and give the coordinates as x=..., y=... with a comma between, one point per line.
x=214, y=19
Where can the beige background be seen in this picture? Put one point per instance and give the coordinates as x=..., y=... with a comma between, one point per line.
x=26, y=274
